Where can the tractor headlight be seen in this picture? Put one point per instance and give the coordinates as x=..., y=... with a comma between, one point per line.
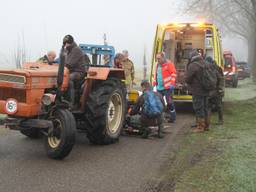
x=48, y=99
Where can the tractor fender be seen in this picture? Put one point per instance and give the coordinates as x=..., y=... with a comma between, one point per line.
x=103, y=73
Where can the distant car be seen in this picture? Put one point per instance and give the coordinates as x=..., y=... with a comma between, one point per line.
x=243, y=70
x=230, y=69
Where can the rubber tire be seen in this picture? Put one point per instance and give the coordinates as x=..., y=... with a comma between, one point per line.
x=68, y=135
x=96, y=111
x=32, y=133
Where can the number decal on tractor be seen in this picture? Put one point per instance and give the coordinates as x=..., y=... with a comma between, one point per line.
x=11, y=106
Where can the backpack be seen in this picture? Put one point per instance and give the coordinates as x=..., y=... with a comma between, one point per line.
x=152, y=104
x=209, y=77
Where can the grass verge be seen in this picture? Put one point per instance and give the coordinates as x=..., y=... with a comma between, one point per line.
x=223, y=159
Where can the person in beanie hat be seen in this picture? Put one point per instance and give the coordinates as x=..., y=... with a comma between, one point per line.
x=193, y=77
x=75, y=62
x=216, y=95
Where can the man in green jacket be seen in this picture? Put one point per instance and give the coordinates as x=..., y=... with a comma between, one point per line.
x=128, y=67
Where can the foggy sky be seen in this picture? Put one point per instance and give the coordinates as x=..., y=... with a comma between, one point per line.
x=129, y=25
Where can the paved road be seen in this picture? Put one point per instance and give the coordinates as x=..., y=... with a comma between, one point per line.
x=122, y=167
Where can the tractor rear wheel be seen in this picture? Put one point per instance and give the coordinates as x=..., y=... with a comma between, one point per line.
x=105, y=111
x=61, y=137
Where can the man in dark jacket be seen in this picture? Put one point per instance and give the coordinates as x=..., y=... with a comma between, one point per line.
x=146, y=121
x=216, y=95
x=193, y=78
x=75, y=62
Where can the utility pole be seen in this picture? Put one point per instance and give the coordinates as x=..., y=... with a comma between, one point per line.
x=106, y=58
x=105, y=39
x=144, y=64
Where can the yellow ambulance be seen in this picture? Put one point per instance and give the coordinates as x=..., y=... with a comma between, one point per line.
x=176, y=40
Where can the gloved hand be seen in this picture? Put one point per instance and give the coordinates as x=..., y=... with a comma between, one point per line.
x=171, y=88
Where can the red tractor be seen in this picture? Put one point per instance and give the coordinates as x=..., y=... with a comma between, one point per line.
x=33, y=99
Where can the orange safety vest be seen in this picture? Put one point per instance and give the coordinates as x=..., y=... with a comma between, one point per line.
x=168, y=74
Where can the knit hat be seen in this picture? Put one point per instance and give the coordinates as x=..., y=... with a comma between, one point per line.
x=68, y=39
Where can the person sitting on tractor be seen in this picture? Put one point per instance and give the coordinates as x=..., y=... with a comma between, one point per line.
x=48, y=58
x=150, y=106
x=75, y=62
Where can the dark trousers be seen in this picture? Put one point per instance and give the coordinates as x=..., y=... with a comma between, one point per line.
x=215, y=103
x=170, y=104
x=142, y=123
x=74, y=79
x=146, y=121
x=200, y=105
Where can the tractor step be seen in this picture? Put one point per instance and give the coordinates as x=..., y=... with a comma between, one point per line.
x=17, y=124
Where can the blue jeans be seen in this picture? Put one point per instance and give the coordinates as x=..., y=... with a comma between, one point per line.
x=170, y=104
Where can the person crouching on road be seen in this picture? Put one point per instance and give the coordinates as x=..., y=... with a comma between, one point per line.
x=150, y=105
x=165, y=78
x=193, y=77
x=49, y=58
x=75, y=62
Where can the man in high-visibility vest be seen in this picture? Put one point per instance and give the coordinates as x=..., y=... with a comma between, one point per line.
x=165, y=78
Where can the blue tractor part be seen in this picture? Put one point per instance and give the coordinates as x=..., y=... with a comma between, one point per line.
x=98, y=53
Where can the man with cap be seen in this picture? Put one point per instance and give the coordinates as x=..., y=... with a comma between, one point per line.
x=128, y=67
x=193, y=78
x=75, y=62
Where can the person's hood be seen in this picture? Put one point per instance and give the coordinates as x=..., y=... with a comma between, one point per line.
x=196, y=58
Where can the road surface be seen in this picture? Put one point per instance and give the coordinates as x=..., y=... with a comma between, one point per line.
x=126, y=166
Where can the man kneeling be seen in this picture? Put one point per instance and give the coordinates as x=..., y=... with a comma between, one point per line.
x=150, y=106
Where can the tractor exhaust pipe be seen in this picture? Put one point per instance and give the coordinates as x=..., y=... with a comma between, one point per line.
x=60, y=74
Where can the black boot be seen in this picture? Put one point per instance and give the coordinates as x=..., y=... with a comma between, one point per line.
x=220, y=118
x=145, y=133
x=160, y=131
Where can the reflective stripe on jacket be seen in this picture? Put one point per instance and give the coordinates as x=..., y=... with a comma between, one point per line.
x=168, y=74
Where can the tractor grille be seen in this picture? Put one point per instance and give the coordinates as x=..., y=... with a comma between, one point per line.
x=18, y=94
x=12, y=78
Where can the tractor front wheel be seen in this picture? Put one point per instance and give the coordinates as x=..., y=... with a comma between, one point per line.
x=61, y=137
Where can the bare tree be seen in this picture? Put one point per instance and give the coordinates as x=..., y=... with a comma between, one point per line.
x=20, y=52
x=233, y=16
